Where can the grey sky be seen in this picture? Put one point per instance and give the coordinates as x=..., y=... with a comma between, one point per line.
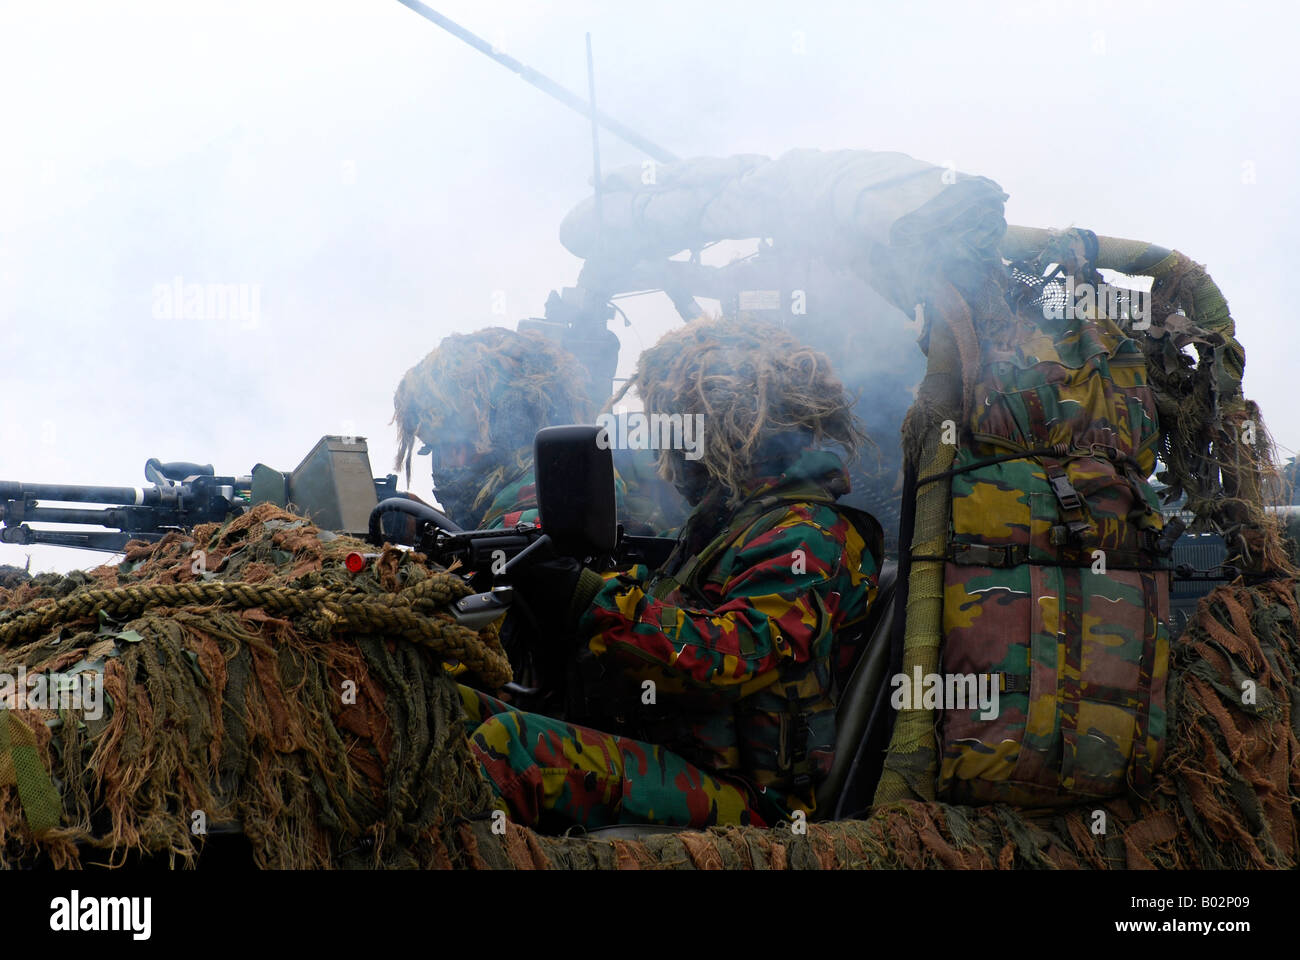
x=378, y=182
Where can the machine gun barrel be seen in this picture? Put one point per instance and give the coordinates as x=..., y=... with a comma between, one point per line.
x=114, y=517
x=542, y=82
x=76, y=493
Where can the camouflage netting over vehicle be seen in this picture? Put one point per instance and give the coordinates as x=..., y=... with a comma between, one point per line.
x=254, y=681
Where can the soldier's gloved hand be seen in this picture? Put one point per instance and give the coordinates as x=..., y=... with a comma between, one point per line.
x=558, y=591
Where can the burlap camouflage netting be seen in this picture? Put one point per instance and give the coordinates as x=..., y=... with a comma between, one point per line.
x=257, y=683
x=230, y=702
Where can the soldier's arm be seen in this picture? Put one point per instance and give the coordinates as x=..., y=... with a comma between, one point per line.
x=764, y=614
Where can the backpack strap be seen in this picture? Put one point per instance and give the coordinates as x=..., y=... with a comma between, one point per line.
x=1147, y=749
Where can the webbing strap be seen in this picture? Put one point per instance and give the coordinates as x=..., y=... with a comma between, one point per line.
x=1070, y=634
x=1012, y=683
x=1020, y=454
x=21, y=766
x=983, y=555
x=1143, y=764
x=1002, y=556
x=1061, y=451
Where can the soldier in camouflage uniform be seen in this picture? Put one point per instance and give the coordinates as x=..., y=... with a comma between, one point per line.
x=476, y=403
x=717, y=675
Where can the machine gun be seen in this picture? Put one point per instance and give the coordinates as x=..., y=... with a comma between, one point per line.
x=575, y=493
x=333, y=487
x=574, y=470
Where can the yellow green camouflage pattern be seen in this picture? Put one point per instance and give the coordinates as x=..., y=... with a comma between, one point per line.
x=1084, y=386
x=1052, y=584
x=550, y=774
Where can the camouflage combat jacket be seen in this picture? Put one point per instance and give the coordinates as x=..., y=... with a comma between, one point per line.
x=732, y=654
x=514, y=503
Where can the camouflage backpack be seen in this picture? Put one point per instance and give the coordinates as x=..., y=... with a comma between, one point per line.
x=1054, y=583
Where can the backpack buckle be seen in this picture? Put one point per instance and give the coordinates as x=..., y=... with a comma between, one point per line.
x=1066, y=495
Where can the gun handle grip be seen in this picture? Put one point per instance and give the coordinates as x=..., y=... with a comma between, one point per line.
x=178, y=469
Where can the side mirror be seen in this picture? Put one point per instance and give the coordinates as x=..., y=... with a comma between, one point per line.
x=575, y=490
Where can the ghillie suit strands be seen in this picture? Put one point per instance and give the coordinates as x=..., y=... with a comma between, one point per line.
x=250, y=679
x=491, y=390
x=692, y=372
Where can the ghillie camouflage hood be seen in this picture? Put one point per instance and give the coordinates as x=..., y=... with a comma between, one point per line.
x=764, y=397
x=491, y=390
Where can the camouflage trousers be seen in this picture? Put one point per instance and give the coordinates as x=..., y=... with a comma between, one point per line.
x=551, y=774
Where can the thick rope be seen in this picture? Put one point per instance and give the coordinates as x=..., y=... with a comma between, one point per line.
x=393, y=614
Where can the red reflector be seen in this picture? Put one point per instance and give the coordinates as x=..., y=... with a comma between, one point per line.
x=355, y=562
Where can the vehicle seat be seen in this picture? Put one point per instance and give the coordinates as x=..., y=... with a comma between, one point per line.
x=858, y=698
